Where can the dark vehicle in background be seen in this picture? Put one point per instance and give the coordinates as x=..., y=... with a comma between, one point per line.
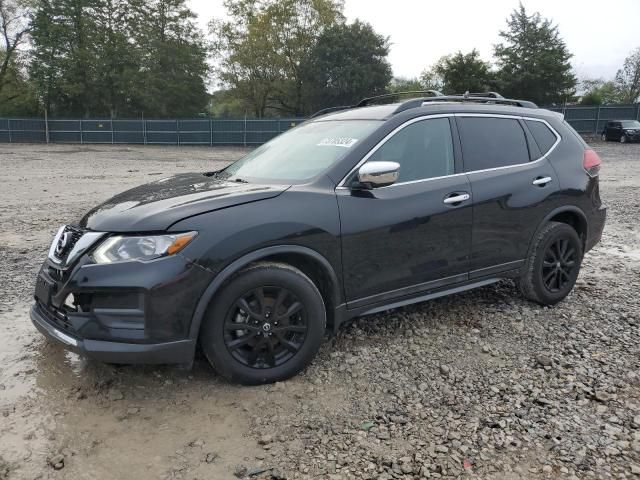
x=358, y=210
x=622, y=131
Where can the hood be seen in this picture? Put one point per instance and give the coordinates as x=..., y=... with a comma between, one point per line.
x=158, y=205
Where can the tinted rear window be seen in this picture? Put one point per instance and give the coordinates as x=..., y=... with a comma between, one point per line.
x=492, y=142
x=543, y=136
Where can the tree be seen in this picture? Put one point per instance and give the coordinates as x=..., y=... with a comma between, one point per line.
x=459, y=73
x=18, y=96
x=263, y=45
x=402, y=84
x=14, y=27
x=599, y=92
x=431, y=79
x=173, y=59
x=347, y=63
x=61, y=66
x=533, y=61
x=628, y=78
x=118, y=58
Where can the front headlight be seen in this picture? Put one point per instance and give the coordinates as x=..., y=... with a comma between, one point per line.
x=122, y=248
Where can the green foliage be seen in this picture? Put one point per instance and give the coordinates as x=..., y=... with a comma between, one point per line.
x=118, y=58
x=533, y=61
x=459, y=73
x=14, y=27
x=402, y=84
x=599, y=92
x=263, y=45
x=347, y=63
x=225, y=104
x=628, y=78
x=18, y=96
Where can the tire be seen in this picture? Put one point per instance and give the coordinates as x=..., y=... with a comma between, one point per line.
x=278, y=335
x=623, y=139
x=539, y=283
x=604, y=137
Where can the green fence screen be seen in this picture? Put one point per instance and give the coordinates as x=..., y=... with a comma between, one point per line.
x=243, y=132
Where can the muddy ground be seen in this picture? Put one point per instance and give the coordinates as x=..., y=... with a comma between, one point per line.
x=481, y=384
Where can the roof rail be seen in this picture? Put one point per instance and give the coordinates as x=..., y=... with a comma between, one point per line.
x=366, y=101
x=434, y=96
x=330, y=109
x=418, y=102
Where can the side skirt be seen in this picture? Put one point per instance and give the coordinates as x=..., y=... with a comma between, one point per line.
x=344, y=314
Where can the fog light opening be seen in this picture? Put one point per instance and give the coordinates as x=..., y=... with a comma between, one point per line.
x=70, y=302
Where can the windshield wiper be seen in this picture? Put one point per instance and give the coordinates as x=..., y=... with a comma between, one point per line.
x=240, y=180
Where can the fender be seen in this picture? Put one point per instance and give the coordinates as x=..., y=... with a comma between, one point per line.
x=553, y=213
x=245, y=260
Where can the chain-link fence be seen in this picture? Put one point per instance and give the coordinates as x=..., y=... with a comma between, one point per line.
x=244, y=132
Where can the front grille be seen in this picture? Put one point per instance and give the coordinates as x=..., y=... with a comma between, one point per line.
x=71, y=234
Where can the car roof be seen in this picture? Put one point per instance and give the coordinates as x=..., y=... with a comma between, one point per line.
x=384, y=112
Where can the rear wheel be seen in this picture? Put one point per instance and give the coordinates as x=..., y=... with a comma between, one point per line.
x=266, y=325
x=604, y=137
x=553, y=266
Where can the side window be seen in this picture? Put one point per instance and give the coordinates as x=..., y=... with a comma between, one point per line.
x=543, y=136
x=490, y=142
x=423, y=149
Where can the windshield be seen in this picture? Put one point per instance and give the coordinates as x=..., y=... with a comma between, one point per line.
x=301, y=153
x=631, y=124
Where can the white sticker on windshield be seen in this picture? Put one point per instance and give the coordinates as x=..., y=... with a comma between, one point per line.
x=345, y=142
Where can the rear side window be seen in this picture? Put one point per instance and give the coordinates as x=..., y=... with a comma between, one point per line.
x=489, y=142
x=542, y=134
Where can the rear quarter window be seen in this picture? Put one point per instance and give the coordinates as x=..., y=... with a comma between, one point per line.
x=542, y=134
x=492, y=142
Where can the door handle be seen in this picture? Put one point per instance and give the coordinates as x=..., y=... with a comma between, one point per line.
x=542, y=181
x=457, y=198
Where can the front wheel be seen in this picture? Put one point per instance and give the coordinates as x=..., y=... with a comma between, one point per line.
x=266, y=324
x=623, y=139
x=553, y=265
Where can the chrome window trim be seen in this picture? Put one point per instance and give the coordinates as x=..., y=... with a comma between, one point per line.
x=341, y=184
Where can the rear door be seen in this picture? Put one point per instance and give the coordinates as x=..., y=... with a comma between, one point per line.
x=408, y=237
x=511, y=181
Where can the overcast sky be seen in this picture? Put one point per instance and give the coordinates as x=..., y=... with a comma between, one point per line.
x=599, y=33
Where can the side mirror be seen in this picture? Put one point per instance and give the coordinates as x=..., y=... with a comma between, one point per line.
x=378, y=174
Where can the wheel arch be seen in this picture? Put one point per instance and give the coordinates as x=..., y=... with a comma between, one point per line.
x=309, y=261
x=569, y=214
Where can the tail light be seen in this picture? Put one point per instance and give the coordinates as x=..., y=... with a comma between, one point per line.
x=591, y=163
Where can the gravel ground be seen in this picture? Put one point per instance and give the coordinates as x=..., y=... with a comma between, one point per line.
x=479, y=385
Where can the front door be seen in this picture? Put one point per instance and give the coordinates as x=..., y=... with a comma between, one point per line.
x=407, y=238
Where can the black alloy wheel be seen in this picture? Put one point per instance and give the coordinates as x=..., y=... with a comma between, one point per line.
x=265, y=327
x=553, y=264
x=560, y=260
x=265, y=324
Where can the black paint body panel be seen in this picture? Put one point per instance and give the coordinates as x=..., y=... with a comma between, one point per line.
x=375, y=248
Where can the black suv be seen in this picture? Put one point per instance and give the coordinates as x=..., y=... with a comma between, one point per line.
x=352, y=212
x=622, y=131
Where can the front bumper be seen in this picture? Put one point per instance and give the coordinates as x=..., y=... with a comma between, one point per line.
x=128, y=312
x=632, y=137
x=181, y=351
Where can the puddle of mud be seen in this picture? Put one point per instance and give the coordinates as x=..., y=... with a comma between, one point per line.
x=120, y=421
